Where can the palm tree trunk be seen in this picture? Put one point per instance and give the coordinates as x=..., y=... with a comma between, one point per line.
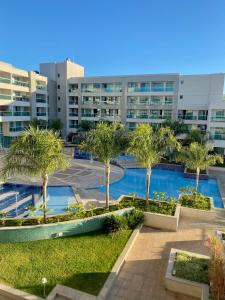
x=148, y=177
x=197, y=178
x=107, y=173
x=44, y=188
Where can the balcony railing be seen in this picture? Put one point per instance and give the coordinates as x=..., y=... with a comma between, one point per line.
x=73, y=102
x=187, y=117
x=202, y=118
x=148, y=117
x=73, y=90
x=90, y=102
x=110, y=103
x=16, y=129
x=218, y=136
x=149, y=89
x=5, y=80
x=21, y=98
x=73, y=114
x=218, y=119
x=112, y=90
x=73, y=126
x=40, y=100
x=5, y=97
x=15, y=113
x=20, y=83
x=109, y=116
x=91, y=90
x=41, y=87
x=41, y=114
x=90, y=115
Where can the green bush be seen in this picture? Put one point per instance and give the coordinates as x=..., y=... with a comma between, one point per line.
x=113, y=224
x=191, y=198
x=134, y=218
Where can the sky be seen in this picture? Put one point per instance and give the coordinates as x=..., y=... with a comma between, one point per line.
x=115, y=37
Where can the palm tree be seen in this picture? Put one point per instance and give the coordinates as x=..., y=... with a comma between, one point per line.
x=35, y=153
x=197, y=157
x=104, y=143
x=148, y=145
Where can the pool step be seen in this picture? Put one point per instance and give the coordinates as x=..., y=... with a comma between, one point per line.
x=19, y=203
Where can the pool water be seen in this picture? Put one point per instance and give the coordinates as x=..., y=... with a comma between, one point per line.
x=58, y=198
x=161, y=181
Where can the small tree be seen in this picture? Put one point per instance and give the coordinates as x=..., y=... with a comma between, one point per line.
x=148, y=145
x=197, y=157
x=35, y=153
x=104, y=143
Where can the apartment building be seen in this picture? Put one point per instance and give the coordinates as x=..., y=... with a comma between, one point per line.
x=23, y=97
x=197, y=100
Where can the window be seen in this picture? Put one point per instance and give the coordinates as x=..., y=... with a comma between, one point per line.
x=181, y=97
x=58, y=75
x=58, y=98
x=181, y=82
x=58, y=86
x=59, y=109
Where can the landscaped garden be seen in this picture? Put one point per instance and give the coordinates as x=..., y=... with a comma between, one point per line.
x=83, y=262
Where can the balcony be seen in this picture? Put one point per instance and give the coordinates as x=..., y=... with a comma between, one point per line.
x=20, y=83
x=149, y=89
x=137, y=116
x=112, y=90
x=73, y=114
x=5, y=80
x=202, y=118
x=14, y=114
x=85, y=90
x=41, y=114
x=73, y=90
x=16, y=129
x=40, y=100
x=90, y=102
x=110, y=103
x=218, y=119
x=73, y=102
x=218, y=136
x=91, y=115
x=5, y=97
x=187, y=117
x=21, y=98
x=41, y=87
x=73, y=126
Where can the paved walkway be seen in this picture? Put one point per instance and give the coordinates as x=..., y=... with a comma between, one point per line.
x=142, y=276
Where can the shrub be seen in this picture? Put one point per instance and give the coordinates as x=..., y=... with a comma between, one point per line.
x=113, y=224
x=134, y=218
x=190, y=198
x=217, y=268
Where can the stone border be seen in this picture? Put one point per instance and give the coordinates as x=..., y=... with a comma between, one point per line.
x=183, y=286
x=200, y=214
x=12, y=293
x=162, y=221
x=61, y=290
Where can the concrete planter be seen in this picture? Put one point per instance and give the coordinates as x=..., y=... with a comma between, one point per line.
x=200, y=214
x=161, y=221
x=183, y=286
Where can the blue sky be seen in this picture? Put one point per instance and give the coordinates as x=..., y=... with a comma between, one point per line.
x=116, y=36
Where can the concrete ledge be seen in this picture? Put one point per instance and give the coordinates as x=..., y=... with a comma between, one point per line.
x=161, y=221
x=9, y=293
x=193, y=175
x=69, y=293
x=200, y=214
x=119, y=263
x=183, y=286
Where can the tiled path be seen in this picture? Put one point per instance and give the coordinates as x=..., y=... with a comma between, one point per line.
x=142, y=275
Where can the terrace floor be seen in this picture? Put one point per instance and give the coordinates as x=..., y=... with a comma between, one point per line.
x=142, y=275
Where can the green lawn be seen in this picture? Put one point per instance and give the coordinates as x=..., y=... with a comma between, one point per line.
x=81, y=262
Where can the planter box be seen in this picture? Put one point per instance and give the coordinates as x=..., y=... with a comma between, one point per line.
x=161, y=221
x=183, y=286
x=193, y=175
x=200, y=214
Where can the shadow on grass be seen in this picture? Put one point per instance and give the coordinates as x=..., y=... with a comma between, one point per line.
x=87, y=282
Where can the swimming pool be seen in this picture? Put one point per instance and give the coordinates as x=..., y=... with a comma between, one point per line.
x=58, y=198
x=161, y=181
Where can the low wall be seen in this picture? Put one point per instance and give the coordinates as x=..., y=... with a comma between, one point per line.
x=170, y=167
x=183, y=286
x=193, y=175
x=9, y=293
x=162, y=221
x=200, y=214
x=46, y=231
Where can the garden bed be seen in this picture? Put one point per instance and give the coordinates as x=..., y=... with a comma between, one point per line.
x=196, y=202
x=187, y=273
x=76, y=262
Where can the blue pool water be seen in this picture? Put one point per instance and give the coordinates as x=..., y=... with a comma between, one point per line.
x=125, y=157
x=59, y=198
x=161, y=181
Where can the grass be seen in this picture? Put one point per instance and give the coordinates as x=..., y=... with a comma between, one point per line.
x=192, y=268
x=81, y=262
